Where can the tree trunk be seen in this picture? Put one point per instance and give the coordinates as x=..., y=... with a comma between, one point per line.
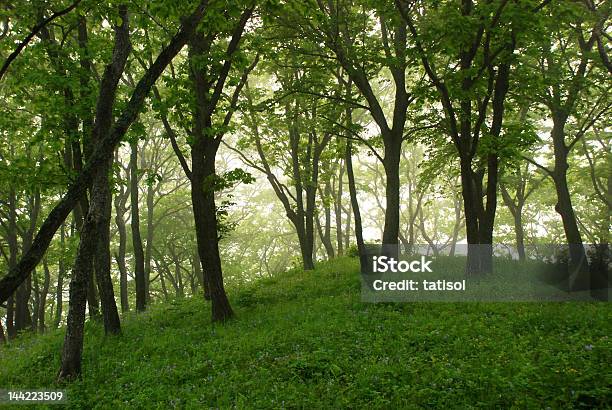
x=59, y=290
x=520, y=234
x=338, y=211
x=2, y=336
x=203, y=179
x=102, y=258
x=470, y=210
x=11, y=326
x=10, y=318
x=578, y=265
x=363, y=257
x=120, y=258
x=390, y=237
x=21, y=319
x=43, y=298
x=325, y=240
x=149, y=243
x=139, y=268
x=348, y=229
x=325, y=233
x=35, y=302
x=100, y=190
x=73, y=341
x=197, y=266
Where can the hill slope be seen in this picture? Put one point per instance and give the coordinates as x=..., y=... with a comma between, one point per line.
x=305, y=340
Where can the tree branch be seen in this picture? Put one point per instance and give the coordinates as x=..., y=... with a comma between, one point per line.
x=35, y=30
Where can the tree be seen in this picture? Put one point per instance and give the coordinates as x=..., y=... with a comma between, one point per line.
x=473, y=96
x=60, y=211
x=341, y=26
x=139, y=267
x=563, y=90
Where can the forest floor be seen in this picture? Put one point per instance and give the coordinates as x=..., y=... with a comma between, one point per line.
x=305, y=340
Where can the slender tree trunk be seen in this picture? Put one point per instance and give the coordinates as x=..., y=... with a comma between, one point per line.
x=348, y=228
x=43, y=298
x=35, y=302
x=22, y=319
x=363, y=257
x=325, y=239
x=120, y=258
x=456, y=228
x=59, y=290
x=326, y=231
x=11, y=326
x=139, y=268
x=338, y=211
x=520, y=234
x=149, y=243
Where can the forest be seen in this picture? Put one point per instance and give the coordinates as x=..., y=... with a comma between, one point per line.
x=190, y=192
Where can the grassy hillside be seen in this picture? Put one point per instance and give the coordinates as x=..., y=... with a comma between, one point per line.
x=305, y=340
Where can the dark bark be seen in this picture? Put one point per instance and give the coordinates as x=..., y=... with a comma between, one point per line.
x=149, y=243
x=23, y=317
x=95, y=234
x=42, y=303
x=139, y=260
x=120, y=210
x=35, y=302
x=73, y=341
x=10, y=318
x=564, y=207
x=102, y=260
x=516, y=209
x=61, y=272
x=348, y=228
x=203, y=154
x=120, y=258
x=100, y=190
x=325, y=238
x=197, y=267
x=392, y=192
x=338, y=210
x=325, y=231
x=363, y=259
x=10, y=282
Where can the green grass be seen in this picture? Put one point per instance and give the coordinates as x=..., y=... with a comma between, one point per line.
x=305, y=340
